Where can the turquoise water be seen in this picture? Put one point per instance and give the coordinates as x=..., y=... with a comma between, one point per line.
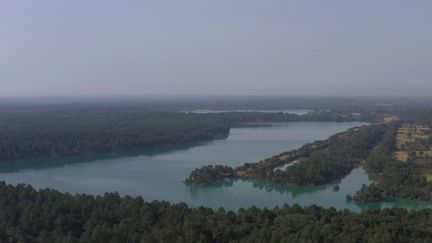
x=157, y=174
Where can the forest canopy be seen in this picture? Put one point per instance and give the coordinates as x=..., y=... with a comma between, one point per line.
x=62, y=130
x=28, y=215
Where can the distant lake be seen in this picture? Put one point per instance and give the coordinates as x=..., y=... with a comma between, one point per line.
x=290, y=111
x=157, y=174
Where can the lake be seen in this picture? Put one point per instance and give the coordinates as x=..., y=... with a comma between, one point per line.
x=287, y=111
x=157, y=173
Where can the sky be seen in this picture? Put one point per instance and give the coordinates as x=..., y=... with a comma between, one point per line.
x=215, y=47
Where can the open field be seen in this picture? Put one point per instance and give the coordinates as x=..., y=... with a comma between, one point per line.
x=401, y=155
x=428, y=177
x=388, y=119
x=409, y=134
x=428, y=153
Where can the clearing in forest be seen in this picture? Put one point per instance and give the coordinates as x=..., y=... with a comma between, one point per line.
x=428, y=177
x=387, y=119
x=410, y=139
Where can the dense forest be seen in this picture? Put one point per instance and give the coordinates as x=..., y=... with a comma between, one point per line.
x=27, y=215
x=59, y=130
x=396, y=178
x=343, y=152
x=100, y=131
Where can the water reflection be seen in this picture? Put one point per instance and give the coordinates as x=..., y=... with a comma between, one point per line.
x=263, y=185
x=157, y=173
x=10, y=166
x=322, y=195
x=293, y=190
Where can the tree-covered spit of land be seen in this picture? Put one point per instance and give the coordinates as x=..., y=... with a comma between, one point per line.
x=318, y=163
x=397, y=151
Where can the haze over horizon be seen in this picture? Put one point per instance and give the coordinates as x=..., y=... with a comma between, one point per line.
x=216, y=47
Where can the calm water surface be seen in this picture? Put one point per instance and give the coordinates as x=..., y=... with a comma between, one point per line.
x=158, y=173
x=287, y=111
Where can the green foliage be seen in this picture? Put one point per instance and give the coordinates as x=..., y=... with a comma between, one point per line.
x=395, y=178
x=382, y=155
x=60, y=130
x=370, y=193
x=343, y=153
x=27, y=215
x=321, y=162
x=209, y=174
x=42, y=133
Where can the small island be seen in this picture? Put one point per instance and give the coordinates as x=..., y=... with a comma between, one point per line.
x=209, y=174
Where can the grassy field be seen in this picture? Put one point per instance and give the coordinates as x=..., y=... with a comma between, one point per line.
x=387, y=119
x=413, y=141
x=401, y=155
x=409, y=134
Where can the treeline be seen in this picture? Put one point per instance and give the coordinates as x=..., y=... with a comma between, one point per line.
x=52, y=132
x=48, y=216
x=395, y=178
x=400, y=179
x=325, y=116
x=209, y=174
x=59, y=130
x=382, y=156
x=417, y=116
x=173, y=104
x=344, y=152
x=313, y=164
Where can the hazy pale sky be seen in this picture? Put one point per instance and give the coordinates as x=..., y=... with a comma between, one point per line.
x=284, y=47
